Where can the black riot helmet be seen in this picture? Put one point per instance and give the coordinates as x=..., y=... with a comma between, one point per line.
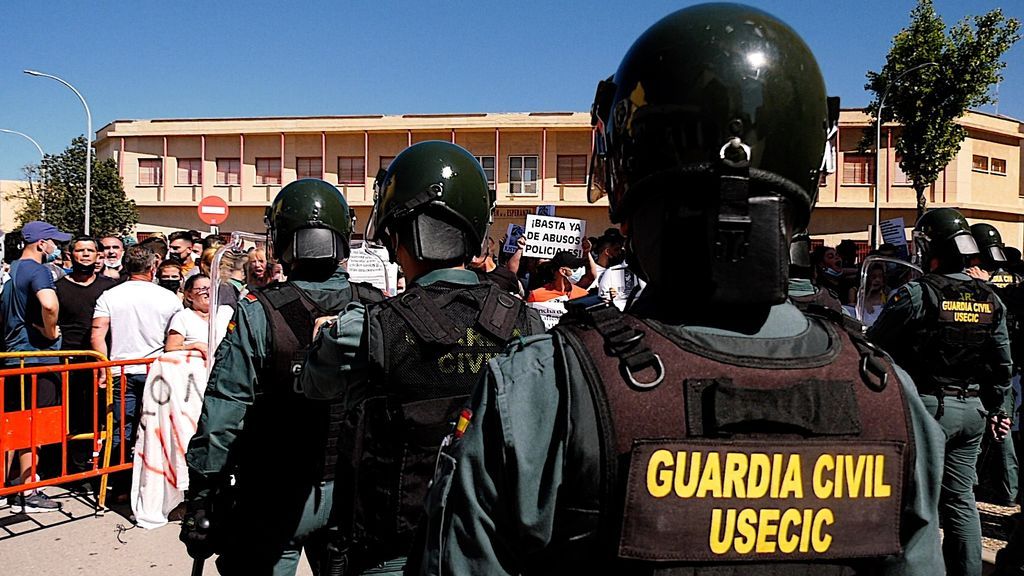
x=990, y=243
x=309, y=220
x=435, y=197
x=942, y=234
x=710, y=138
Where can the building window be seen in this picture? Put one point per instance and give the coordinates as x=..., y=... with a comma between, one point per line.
x=572, y=169
x=522, y=175
x=311, y=167
x=268, y=171
x=151, y=172
x=385, y=162
x=487, y=162
x=999, y=166
x=229, y=171
x=899, y=177
x=979, y=163
x=190, y=172
x=351, y=170
x=858, y=168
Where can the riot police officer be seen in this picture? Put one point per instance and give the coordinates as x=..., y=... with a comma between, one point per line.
x=256, y=425
x=404, y=367
x=949, y=331
x=708, y=425
x=1001, y=458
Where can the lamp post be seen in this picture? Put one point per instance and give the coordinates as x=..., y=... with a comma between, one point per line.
x=42, y=158
x=876, y=233
x=88, y=139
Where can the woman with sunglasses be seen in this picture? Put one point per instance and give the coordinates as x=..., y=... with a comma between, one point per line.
x=189, y=328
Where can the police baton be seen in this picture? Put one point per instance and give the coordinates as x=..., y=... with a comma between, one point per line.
x=198, y=563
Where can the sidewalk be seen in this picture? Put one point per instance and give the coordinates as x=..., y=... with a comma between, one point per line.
x=78, y=541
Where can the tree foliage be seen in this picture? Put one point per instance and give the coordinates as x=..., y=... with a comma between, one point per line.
x=928, y=101
x=60, y=198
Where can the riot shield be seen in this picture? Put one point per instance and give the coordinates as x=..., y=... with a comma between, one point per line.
x=237, y=247
x=880, y=277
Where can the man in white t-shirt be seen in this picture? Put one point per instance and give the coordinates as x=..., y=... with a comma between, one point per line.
x=136, y=314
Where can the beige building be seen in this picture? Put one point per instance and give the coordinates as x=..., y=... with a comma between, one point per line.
x=531, y=159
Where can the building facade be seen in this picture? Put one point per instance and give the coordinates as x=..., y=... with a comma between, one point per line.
x=531, y=159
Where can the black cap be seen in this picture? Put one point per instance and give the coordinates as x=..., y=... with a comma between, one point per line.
x=567, y=260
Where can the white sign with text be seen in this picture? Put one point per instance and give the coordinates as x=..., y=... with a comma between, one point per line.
x=549, y=235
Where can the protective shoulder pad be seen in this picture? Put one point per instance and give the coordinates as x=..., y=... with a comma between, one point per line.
x=499, y=313
x=424, y=316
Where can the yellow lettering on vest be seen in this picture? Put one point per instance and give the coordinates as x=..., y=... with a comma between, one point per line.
x=805, y=534
x=767, y=529
x=788, y=542
x=792, y=483
x=735, y=472
x=721, y=537
x=447, y=363
x=711, y=477
x=854, y=473
x=686, y=481
x=869, y=476
x=659, y=474
x=746, y=526
x=476, y=361
x=474, y=338
x=882, y=490
x=821, y=539
x=822, y=484
x=776, y=475
x=838, y=493
x=758, y=475
x=968, y=317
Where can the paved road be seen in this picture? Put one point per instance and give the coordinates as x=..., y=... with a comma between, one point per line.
x=78, y=541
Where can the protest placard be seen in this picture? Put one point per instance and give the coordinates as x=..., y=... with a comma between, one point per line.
x=366, y=266
x=893, y=233
x=511, y=238
x=549, y=311
x=549, y=235
x=546, y=210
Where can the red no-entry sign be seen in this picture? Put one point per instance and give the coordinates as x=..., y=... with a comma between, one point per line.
x=213, y=210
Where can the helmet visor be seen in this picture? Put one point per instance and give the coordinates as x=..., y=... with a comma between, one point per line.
x=965, y=244
x=371, y=223
x=996, y=254
x=597, y=180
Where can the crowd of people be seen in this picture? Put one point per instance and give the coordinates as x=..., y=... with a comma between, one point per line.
x=694, y=388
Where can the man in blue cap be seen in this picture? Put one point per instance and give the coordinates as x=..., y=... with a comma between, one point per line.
x=29, y=311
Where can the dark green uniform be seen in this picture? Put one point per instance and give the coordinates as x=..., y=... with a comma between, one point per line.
x=339, y=366
x=281, y=504
x=963, y=418
x=499, y=503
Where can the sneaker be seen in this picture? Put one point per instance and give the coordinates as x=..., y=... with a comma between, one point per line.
x=34, y=502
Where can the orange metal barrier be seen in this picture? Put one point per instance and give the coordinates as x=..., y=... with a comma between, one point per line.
x=31, y=426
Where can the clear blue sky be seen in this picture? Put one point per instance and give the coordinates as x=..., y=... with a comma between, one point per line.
x=147, y=59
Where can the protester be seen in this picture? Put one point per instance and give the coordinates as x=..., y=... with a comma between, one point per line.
x=608, y=250
x=875, y=295
x=487, y=269
x=828, y=270
x=158, y=244
x=135, y=314
x=77, y=294
x=258, y=271
x=180, y=245
x=30, y=311
x=168, y=275
x=560, y=286
x=189, y=329
x=113, y=254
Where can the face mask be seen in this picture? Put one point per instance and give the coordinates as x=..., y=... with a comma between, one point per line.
x=112, y=262
x=833, y=272
x=171, y=285
x=174, y=257
x=576, y=275
x=67, y=270
x=52, y=256
x=77, y=268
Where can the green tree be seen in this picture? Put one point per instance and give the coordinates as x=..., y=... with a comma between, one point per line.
x=60, y=198
x=928, y=101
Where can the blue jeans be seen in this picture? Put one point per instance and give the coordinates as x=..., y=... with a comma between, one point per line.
x=132, y=410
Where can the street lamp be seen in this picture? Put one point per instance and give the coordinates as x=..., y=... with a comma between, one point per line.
x=42, y=158
x=88, y=136
x=876, y=233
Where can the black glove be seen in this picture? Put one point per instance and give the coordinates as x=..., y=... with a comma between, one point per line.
x=197, y=535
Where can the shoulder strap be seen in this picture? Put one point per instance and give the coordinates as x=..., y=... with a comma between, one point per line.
x=622, y=341
x=499, y=313
x=874, y=365
x=424, y=316
x=297, y=309
x=365, y=292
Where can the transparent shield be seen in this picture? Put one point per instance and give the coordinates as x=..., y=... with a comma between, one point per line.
x=220, y=274
x=880, y=277
x=598, y=179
